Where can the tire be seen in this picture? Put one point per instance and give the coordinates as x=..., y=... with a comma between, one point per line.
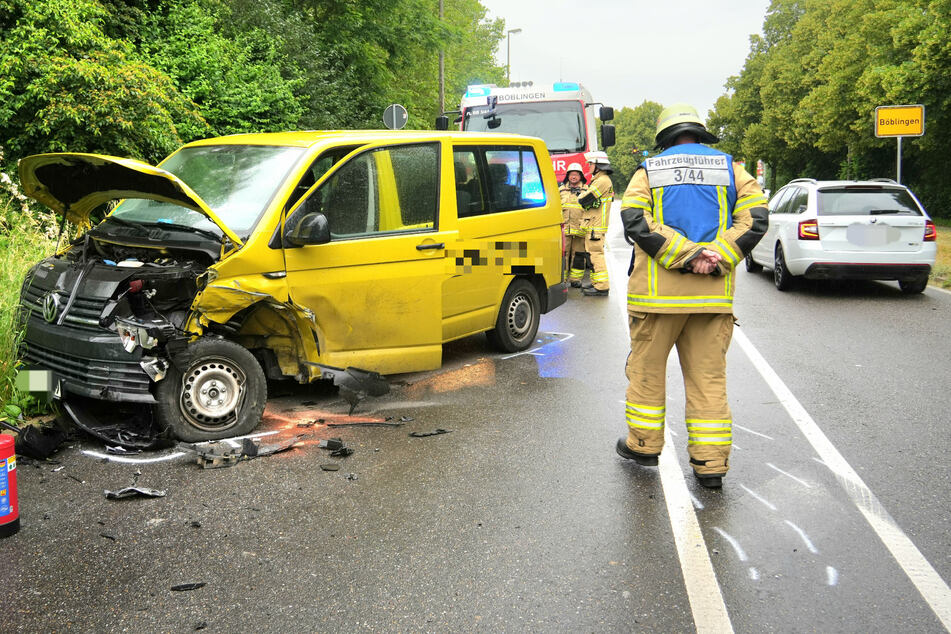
x=913, y=287
x=517, y=323
x=752, y=266
x=781, y=275
x=211, y=369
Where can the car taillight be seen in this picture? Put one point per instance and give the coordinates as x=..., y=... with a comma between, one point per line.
x=931, y=232
x=808, y=230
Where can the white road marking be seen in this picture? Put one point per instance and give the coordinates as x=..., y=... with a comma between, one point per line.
x=129, y=460
x=735, y=544
x=703, y=591
x=832, y=576
x=789, y=475
x=697, y=503
x=760, y=498
x=753, y=432
x=921, y=573
x=804, y=537
x=754, y=574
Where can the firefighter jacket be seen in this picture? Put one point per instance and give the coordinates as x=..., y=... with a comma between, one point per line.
x=597, y=203
x=689, y=198
x=571, y=209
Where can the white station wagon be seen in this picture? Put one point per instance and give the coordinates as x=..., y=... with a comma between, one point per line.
x=867, y=230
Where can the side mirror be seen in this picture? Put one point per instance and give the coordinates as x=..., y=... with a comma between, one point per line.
x=607, y=113
x=307, y=225
x=607, y=135
x=442, y=122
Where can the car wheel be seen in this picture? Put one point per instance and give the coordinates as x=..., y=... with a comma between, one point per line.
x=751, y=265
x=517, y=323
x=912, y=287
x=216, y=390
x=781, y=275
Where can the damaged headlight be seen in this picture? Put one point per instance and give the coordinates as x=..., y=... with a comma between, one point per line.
x=146, y=334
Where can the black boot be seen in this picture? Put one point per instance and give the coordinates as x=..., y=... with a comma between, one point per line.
x=593, y=292
x=709, y=480
x=640, y=458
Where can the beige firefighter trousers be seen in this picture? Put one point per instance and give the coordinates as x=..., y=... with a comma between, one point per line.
x=594, y=245
x=702, y=340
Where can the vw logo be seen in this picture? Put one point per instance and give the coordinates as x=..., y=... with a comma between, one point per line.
x=50, y=307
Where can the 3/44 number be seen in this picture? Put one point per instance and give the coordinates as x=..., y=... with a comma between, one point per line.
x=688, y=176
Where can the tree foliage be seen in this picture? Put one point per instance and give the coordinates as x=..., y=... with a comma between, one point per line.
x=805, y=99
x=139, y=77
x=635, y=134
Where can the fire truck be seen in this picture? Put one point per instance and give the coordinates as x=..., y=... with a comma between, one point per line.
x=562, y=114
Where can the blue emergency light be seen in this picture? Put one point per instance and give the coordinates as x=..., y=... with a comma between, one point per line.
x=478, y=91
x=565, y=86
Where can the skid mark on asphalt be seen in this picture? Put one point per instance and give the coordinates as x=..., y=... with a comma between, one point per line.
x=789, y=475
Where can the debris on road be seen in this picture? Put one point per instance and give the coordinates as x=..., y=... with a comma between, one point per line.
x=435, y=432
x=122, y=451
x=330, y=466
x=108, y=536
x=366, y=424
x=343, y=452
x=351, y=476
x=355, y=384
x=184, y=587
x=35, y=441
x=129, y=492
x=215, y=454
x=330, y=443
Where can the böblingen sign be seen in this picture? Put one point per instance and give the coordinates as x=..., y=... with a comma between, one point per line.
x=899, y=121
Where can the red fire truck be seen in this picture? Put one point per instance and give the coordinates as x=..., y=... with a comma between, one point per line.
x=562, y=114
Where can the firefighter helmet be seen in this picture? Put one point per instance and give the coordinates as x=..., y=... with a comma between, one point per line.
x=598, y=158
x=679, y=118
x=576, y=167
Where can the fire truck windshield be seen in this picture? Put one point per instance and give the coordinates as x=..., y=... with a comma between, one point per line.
x=559, y=123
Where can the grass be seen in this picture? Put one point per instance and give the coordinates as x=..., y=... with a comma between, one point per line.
x=941, y=273
x=26, y=238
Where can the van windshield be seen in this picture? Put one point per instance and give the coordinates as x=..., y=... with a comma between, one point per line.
x=236, y=181
x=559, y=123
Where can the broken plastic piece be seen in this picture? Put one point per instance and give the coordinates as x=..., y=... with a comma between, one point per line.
x=330, y=467
x=183, y=587
x=330, y=443
x=129, y=492
x=121, y=451
x=423, y=434
x=343, y=452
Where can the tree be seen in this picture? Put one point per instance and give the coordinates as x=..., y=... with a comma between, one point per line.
x=635, y=128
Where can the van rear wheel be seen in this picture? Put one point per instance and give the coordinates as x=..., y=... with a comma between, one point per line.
x=517, y=323
x=217, y=390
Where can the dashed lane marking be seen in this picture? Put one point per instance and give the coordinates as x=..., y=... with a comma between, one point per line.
x=921, y=573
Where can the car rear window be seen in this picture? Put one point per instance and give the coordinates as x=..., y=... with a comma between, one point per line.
x=866, y=201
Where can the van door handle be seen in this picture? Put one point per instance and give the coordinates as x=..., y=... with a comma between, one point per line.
x=435, y=245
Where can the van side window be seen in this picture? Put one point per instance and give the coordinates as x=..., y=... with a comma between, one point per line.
x=515, y=181
x=469, y=198
x=492, y=179
x=317, y=169
x=386, y=190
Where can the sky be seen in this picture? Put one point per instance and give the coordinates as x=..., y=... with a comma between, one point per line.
x=628, y=51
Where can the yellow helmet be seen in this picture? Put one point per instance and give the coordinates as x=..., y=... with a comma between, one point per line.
x=576, y=167
x=679, y=118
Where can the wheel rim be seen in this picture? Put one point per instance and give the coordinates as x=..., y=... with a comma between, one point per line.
x=519, y=317
x=212, y=393
x=779, y=267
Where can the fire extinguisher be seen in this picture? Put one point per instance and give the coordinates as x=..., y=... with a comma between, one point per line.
x=9, y=512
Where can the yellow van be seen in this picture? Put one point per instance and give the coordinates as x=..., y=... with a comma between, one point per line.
x=286, y=255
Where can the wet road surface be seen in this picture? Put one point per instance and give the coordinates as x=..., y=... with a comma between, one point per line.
x=834, y=516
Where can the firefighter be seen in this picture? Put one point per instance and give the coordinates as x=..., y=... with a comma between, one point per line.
x=692, y=214
x=596, y=203
x=570, y=189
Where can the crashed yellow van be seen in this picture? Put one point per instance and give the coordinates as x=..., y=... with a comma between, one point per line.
x=281, y=256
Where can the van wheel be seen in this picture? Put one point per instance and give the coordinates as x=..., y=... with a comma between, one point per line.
x=751, y=265
x=911, y=287
x=217, y=390
x=517, y=324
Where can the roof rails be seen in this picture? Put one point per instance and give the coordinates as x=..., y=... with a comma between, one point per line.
x=803, y=180
x=883, y=180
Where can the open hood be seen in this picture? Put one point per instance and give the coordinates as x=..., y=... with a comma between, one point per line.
x=73, y=184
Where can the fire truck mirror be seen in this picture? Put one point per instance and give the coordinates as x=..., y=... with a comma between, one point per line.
x=607, y=113
x=442, y=122
x=607, y=134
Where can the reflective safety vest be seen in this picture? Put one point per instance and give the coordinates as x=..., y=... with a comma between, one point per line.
x=596, y=215
x=693, y=189
x=571, y=210
x=692, y=197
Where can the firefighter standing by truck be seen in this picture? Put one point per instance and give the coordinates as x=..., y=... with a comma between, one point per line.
x=596, y=203
x=570, y=189
x=692, y=215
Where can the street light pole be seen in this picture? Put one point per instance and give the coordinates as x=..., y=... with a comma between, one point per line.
x=508, y=54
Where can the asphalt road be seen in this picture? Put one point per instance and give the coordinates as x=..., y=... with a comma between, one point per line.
x=834, y=516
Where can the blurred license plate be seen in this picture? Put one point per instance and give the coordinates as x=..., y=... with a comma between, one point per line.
x=877, y=235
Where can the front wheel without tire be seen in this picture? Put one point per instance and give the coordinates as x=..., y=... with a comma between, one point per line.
x=217, y=390
x=517, y=323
